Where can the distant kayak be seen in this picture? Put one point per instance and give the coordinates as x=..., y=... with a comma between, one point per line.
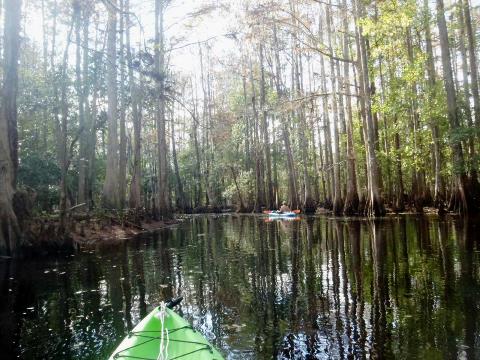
x=174, y=339
x=279, y=214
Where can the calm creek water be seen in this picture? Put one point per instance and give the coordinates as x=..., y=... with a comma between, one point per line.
x=401, y=287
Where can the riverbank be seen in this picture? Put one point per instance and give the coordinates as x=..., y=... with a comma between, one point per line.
x=97, y=231
x=43, y=235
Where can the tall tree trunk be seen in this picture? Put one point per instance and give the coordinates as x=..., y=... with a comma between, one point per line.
x=181, y=204
x=259, y=183
x=351, y=197
x=9, y=230
x=418, y=176
x=135, y=196
x=399, y=198
x=122, y=164
x=99, y=66
x=292, y=181
x=473, y=62
x=266, y=138
x=62, y=133
x=438, y=196
x=337, y=189
x=460, y=194
x=85, y=134
x=386, y=143
x=375, y=202
x=328, y=164
x=292, y=188
x=163, y=210
x=198, y=160
x=308, y=204
x=242, y=208
x=206, y=112
x=110, y=198
x=473, y=163
x=322, y=169
x=80, y=87
x=246, y=120
x=361, y=114
x=45, y=114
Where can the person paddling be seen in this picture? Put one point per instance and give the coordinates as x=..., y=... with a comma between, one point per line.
x=284, y=208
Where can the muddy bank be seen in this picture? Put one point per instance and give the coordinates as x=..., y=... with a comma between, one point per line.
x=43, y=236
x=104, y=231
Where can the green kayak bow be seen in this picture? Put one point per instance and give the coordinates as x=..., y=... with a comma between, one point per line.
x=178, y=340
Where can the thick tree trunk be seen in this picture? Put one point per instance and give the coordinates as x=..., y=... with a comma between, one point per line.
x=10, y=235
x=110, y=197
x=460, y=194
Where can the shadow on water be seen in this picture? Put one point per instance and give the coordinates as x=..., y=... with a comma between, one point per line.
x=400, y=287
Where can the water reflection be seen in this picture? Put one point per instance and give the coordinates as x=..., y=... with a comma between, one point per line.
x=318, y=288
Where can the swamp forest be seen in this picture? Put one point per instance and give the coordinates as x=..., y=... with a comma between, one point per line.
x=265, y=179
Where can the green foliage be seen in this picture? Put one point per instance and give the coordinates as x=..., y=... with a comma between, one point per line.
x=246, y=184
x=42, y=174
x=461, y=134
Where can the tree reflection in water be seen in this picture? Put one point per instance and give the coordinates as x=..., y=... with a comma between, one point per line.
x=401, y=287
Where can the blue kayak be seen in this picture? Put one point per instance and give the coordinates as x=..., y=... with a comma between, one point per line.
x=278, y=214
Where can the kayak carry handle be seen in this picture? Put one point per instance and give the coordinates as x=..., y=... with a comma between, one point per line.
x=174, y=302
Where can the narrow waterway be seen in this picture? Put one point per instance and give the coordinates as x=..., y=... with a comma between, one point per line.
x=400, y=287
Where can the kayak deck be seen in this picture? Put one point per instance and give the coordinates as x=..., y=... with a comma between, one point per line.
x=143, y=342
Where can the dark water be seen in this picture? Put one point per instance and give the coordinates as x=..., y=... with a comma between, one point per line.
x=403, y=287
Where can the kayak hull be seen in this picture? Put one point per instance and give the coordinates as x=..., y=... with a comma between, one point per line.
x=143, y=342
x=282, y=215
